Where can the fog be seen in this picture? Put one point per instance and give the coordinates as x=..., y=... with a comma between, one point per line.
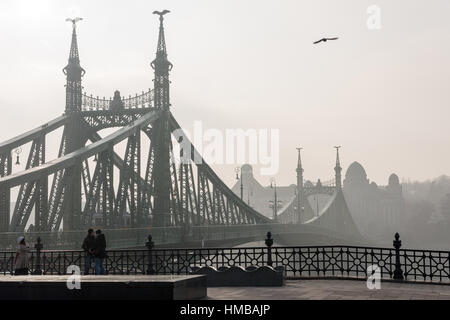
x=382, y=94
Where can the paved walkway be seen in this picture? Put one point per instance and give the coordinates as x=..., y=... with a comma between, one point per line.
x=333, y=290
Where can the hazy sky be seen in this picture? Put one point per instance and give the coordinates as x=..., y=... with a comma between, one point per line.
x=382, y=94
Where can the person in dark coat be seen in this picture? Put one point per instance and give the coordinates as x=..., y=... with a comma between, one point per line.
x=88, y=247
x=100, y=252
x=22, y=258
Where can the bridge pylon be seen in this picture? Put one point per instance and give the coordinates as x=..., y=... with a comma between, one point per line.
x=188, y=195
x=161, y=133
x=338, y=170
x=75, y=136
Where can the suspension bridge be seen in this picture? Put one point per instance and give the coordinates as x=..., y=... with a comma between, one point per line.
x=178, y=203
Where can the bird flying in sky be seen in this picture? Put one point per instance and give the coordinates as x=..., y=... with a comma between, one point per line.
x=325, y=40
x=161, y=13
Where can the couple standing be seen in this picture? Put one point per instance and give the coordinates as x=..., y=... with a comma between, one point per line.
x=94, y=246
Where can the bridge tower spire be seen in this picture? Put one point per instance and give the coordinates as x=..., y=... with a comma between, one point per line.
x=74, y=72
x=299, y=171
x=162, y=132
x=338, y=169
x=74, y=133
x=162, y=67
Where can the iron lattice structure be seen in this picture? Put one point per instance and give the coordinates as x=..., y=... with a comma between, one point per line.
x=178, y=195
x=167, y=194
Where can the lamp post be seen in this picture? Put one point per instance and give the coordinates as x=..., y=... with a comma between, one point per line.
x=299, y=209
x=238, y=170
x=317, y=204
x=18, y=151
x=275, y=202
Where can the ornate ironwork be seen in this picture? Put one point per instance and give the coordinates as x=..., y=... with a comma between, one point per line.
x=297, y=262
x=186, y=201
x=141, y=101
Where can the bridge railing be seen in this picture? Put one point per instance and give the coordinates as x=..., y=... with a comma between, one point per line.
x=135, y=237
x=298, y=262
x=117, y=238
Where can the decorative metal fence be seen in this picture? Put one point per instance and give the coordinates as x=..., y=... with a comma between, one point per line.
x=143, y=100
x=302, y=262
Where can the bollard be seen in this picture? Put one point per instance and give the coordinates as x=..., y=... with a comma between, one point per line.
x=269, y=243
x=150, y=244
x=398, y=272
x=38, y=246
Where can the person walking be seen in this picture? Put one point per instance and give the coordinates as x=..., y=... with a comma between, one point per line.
x=100, y=252
x=22, y=257
x=88, y=247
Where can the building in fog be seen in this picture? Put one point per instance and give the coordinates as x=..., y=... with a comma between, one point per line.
x=377, y=211
x=258, y=196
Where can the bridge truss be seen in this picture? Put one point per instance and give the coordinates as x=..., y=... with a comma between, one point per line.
x=78, y=190
x=168, y=193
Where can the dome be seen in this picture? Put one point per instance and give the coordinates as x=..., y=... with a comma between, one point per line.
x=394, y=180
x=373, y=185
x=247, y=169
x=308, y=184
x=356, y=172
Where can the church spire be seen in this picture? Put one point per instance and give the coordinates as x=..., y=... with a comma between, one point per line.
x=338, y=169
x=74, y=72
x=162, y=66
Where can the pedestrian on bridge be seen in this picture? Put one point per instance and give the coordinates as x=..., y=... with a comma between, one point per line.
x=22, y=258
x=100, y=252
x=88, y=247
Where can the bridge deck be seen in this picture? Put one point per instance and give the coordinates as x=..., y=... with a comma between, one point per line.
x=334, y=290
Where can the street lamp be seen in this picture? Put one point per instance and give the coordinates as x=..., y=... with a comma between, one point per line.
x=18, y=151
x=275, y=203
x=238, y=170
x=298, y=208
x=317, y=204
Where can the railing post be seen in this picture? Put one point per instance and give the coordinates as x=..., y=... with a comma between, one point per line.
x=269, y=243
x=398, y=272
x=150, y=244
x=38, y=246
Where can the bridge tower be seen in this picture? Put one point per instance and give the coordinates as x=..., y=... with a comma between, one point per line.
x=299, y=171
x=74, y=135
x=161, y=131
x=338, y=170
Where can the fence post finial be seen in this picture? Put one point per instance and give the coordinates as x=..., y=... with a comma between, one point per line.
x=269, y=243
x=398, y=272
x=38, y=246
x=150, y=244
